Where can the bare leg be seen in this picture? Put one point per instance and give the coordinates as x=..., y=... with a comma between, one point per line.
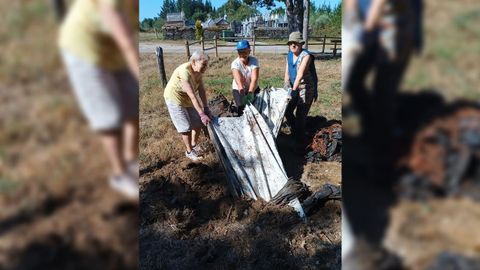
x=187, y=140
x=130, y=140
x=111, y=141
x=195, y=134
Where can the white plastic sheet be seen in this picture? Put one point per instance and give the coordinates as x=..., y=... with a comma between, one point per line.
x=247, y=150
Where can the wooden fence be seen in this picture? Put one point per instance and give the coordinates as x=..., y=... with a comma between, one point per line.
x=212, y=44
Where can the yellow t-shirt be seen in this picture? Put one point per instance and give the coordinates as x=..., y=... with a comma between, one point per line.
x=174, y=92
x=85, y=35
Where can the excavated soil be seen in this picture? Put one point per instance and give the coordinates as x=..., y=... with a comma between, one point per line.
x=435, y=225
x=188, y=219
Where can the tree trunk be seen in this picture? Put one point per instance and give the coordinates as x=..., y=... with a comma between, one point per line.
x=299, y=14
x=290, y=8
x=306, y=9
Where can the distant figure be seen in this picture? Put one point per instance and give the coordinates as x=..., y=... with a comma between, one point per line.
x=186, y=101
x=100, y=53
x=245, y=70
x=301, y=78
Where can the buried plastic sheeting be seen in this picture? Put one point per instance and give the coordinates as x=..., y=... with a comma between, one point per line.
x=272, y=104
x=246, y=148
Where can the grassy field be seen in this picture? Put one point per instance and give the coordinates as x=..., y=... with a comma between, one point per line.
x=449, y=61
x=218, y=80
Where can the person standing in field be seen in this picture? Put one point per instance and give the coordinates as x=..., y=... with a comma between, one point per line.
x=301, y=78
x=245, y=71
x=99, y=49
x=186, y=102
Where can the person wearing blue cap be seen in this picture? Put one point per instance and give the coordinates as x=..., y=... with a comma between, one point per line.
x=245, y=70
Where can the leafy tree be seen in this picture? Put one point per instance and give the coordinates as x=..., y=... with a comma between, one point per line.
x=235, y=10
x=147, y=24
x=198, y=30
x=168, y=7
x=199, y=16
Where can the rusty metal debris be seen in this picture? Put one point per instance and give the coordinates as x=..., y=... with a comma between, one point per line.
x=445, y=155
x=326, y=144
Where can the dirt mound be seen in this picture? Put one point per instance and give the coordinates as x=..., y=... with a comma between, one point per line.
x=189, y=218
x=326, y=144
x=221, y=107
x=77, y=228
x=445, y=155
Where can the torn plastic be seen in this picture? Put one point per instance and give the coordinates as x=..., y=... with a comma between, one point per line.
x=272, y=104
x=246, y=148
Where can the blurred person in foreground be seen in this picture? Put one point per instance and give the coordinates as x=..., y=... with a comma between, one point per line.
x=301, y=78
x=100, y=53
x=388, y=33
x=245, y=70
x=186, y=102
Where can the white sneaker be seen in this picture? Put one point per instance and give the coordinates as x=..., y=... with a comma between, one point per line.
x=125, y=184
x=198, y=149
x=193, y=155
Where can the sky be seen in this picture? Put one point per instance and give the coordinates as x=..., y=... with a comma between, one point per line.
x=150, y=8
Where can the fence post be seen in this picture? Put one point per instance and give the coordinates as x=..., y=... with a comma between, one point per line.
x=161, y=66
x=253, y=50
x=324, y=40
x=187, y=48
x=216, y=46
x=203, y=44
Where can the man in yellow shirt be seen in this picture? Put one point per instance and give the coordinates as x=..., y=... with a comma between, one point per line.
x=187, y=102
x=99, y=49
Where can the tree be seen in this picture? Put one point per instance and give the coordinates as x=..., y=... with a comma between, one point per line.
x=198, y=29
x=306, y=9
x=294, y=10
x=235, y=10
x=147, y=24
x=168, y=7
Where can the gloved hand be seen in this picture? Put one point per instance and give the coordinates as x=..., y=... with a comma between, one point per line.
x=248, y=98
x=368, y=38
x=207, y=111
x=286, y=85
x=205, y=119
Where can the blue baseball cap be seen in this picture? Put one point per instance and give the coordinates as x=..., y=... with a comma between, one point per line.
x=243, y=44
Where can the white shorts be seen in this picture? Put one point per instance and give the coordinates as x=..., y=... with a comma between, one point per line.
x=106, y=98
x=184, y=119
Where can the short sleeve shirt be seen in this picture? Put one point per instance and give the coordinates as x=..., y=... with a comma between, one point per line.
x=85, y=35
x=246, y=71
x=174, y=91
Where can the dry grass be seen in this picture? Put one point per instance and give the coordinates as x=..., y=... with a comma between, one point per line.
x=449, y=62
x=158, y=138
